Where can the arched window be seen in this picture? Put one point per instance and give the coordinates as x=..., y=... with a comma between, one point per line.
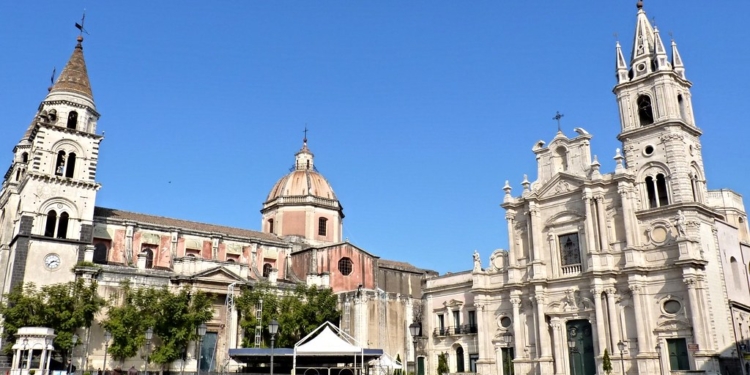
x=267, y=269
x=18, y=174
x=736, y=272
x=231, y=260
x=149, y=257
x=100, y=253
x=322, y=226
x=661, y=189
x=72, y=119
x=270, y=225
x=459, y=359
x=561, y=161
x=645, y=111
x=681, y=104
x=62, y=225
x=49, y=227
x=656, y=189
x=70, y=168
x=651, y=191
x=25, y=157
x=60, y=163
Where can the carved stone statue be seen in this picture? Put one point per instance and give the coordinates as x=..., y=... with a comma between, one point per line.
x=477, y=262
x=680, y=224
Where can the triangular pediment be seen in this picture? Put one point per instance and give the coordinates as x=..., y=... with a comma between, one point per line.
x=218, y=275
x=562, y=183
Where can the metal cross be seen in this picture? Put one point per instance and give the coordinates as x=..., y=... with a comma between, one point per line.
x=79, y=26
x=557, y=117
x=305, y=131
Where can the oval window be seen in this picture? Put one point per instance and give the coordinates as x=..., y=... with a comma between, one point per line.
x=672, y=306
x=345, y=266
x=505, y=322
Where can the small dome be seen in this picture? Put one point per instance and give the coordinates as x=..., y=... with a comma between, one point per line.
x=302, y=183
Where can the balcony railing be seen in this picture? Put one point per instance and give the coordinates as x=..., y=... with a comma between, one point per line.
x=572, y=269
x=465, y=329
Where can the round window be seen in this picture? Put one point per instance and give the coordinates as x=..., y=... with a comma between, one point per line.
x=505, y=322
x=641, y=67
x=672, y=306
x=648, y=150
x=345, y=266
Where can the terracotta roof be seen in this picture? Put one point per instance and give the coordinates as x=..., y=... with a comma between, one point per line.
x=110, y=213
x=401, y=265
x=74, y=77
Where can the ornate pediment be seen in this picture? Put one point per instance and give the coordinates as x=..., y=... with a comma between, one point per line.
x=671, y=325
x=453, y=303
x=219, y=275
x=565, y=217
x=558, y=185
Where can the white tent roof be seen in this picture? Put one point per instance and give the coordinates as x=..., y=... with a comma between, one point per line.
x=385, y=361
x=327, y=343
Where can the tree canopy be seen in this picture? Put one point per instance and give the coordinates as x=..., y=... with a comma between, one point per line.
x=63, y=307
x=298, y=312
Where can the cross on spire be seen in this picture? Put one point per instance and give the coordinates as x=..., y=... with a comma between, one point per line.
x=557, y=117
x=305, y=131
x=79, y=26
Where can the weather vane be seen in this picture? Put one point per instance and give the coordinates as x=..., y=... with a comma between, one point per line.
x=557, y=117
x=79, y=26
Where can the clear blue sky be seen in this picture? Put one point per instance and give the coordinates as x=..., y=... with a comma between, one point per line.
x=418, y=111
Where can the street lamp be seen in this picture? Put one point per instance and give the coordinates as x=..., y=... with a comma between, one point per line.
x=573, y=350
x=201, y=332
x=273, y=327
x=416, y=330
x=73, y=340
x=621, y=345
x=23, y=353
x=658, y=353
x=107, y=337
x=149, y=336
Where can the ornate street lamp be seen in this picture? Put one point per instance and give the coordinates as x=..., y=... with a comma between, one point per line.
x=621, y=345
x=107, y=337
x=73, y=340
x=273, y=327
x=416, y=331
x=201, y=332
x=658, y=353
x=573, y=350
x=149, y=336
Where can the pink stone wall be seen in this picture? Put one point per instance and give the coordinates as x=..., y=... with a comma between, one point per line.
x=293, y=224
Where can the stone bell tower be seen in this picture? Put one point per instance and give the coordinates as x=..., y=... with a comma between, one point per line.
x=49, y=192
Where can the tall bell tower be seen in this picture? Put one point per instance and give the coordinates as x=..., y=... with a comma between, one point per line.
x=659, y=135
x=49, y=192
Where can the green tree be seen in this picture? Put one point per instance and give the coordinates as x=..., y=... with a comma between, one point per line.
x=128, y=318
x=442, y=367
x=606, y=362
x=63, y=307
x=298, y=312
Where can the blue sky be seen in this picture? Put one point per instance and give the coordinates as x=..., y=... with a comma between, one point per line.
x=418, y=111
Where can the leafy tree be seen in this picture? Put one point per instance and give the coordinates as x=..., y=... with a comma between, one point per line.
x=606, y=362
x=442, y=367
x=63, y=307
x=298, y=312
x=172, y=316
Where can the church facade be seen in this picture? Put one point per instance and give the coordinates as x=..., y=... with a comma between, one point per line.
x=644, y=263
x=52, y=231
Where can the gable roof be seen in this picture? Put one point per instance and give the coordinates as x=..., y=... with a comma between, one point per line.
x=114, y=214
x=327, y=343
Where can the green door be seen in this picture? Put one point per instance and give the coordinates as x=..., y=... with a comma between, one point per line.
x=678, y=354
x=582, y=360
x=508, y=356
x=420, y=365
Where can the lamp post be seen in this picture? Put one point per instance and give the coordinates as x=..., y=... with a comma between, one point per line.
x=658, y=353
x=73, y=340
x=149, y=336
x=621, y=345
x=573, y=350
x=201, y=332
x=23, y=353
x=107, y=337
x=273, y=327
x=416, y=330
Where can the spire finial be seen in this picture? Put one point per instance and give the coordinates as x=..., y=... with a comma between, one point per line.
x=639, y=4
x=304, y=140
x=557, y=117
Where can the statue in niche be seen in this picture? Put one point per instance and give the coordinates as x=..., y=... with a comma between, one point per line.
x=477, y=262
x=680, y=224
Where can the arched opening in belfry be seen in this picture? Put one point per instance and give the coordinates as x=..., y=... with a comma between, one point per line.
x=49, y=226
x=645, y=110
x=270, y=225
x=681, y=104
x=25, y=157
x=62, y=225
x=661, y=189
x=60, y=163
x=72, y=120
x=71, y=165
x=561, y=159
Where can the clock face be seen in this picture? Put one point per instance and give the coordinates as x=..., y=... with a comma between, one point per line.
x=52, y=261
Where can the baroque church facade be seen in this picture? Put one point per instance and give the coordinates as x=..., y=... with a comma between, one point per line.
x=50, y=224
x=645, y=263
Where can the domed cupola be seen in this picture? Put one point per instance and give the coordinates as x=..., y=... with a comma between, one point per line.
x=302, y=203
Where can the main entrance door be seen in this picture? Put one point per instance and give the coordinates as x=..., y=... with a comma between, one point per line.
x=582, y=360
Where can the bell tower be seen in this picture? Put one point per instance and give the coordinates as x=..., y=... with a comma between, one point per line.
x=49, y=192
x=658, y=131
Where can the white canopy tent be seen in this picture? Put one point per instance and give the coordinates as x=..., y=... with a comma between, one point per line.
x=384, y=365
x=328, y=340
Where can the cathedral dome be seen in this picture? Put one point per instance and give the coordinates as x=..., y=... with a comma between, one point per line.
x=303, y=181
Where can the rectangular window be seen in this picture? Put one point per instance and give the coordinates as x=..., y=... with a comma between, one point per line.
x=678, y=354
x=473, y=358
x=472, y=321
x=456, y=318
x=441, y=324
x=322, y=226
x=570, y=252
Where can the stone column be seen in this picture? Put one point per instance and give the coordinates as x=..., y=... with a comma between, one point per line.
x=695, y=312
x=483, y=332
x=499, y=360
x=540, y=270
x=510, y=217
x=590, y=236
x=42, y=358
x=544, y=344
x=515, y=300
x=553, y=253
x=614, y=327
x=559, y=346
x=128, y=254
x=600, y=333
x=602, y=221
x=16, y=360
x=623, y=191
x=639, y=316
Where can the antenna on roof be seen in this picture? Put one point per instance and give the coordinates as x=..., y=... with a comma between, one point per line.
x=79, y=26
